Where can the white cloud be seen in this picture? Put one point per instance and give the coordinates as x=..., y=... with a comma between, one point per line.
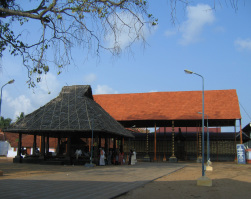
x=104, y=89
x=32, y=100
x=90, y=78
x=128, y=30
x=14, y=106
x=198, y=16
x=20, y=104
x=243, y=44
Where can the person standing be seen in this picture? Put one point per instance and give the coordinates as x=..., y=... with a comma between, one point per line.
x=121, y=157
x=130, y=157
x=102, y=157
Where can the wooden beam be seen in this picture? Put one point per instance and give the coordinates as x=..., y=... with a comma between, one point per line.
x=155, y=144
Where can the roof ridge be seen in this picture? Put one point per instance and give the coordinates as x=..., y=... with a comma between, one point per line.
x=163, y=92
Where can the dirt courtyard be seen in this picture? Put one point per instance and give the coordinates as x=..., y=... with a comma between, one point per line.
x=230, y=180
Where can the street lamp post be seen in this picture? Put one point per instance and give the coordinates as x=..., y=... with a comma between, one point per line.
x=208, y=145
x=9, y=82
x=190, y=72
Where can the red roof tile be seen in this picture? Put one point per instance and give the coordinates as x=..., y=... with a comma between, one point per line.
x=182, y=105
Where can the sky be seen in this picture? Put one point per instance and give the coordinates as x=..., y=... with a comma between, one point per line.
x=215, y=43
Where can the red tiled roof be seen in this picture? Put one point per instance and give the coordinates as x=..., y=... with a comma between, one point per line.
x=27, y=140
x=182, y=105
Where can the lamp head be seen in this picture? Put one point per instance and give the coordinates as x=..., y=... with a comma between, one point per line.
x=188, y=72
x=11, y=81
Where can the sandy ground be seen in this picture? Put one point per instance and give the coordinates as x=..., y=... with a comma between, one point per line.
x=11, y=170
x=230, y=180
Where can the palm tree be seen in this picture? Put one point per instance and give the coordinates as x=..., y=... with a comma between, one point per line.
x=21, y=116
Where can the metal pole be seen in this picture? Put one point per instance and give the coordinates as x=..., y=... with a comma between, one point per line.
x=9, y=82
x=190, y=72
x=203, y=170
x=208, y=141
x=208, y=146
x=1, y=98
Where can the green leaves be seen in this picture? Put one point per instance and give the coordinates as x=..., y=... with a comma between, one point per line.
x=59, y=17
x=8, y=38
x=4, y=123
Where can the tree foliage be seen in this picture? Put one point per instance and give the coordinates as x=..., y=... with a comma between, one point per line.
x=21, y=116
x=4, y=123
x=64, y=24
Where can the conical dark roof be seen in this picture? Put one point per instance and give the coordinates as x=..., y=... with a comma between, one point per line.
x=74, y=110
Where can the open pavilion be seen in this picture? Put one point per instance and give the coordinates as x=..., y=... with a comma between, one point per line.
x=69, y=118
x=173, y=109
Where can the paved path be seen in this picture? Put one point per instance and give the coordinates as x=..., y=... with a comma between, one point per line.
x=89, y=183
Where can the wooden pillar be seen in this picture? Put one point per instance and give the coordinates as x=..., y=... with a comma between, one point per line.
x=96, y=150
x=58, y=146
x=147, y=142
x=19, y=150
x=42, y=147
x=122, y=145
x=18, y=158
x=34, y=145
x=114, y=144
x=197, y=142
x=217, y=142
x=155, y=143
x=68, y=153
x=47, y=145
x=106, y=146
x=99, y=143
x=164, y=158
x=90, y=144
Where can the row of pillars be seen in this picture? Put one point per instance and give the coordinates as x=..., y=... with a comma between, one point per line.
x=147, y=157
x=173, y=157
x=44, y=149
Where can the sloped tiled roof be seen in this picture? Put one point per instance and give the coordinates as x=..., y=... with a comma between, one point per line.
x=182, y=105
x=74, y=110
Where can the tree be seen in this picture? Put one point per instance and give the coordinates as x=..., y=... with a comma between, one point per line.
x=21, y=116
x=65, y=23
x=4, y=123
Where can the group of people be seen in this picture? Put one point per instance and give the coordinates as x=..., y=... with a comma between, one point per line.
x=116, y=157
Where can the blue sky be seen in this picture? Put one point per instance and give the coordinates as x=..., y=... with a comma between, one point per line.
x=214, y=43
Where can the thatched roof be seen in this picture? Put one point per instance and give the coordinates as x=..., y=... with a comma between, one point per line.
x=73, y=111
